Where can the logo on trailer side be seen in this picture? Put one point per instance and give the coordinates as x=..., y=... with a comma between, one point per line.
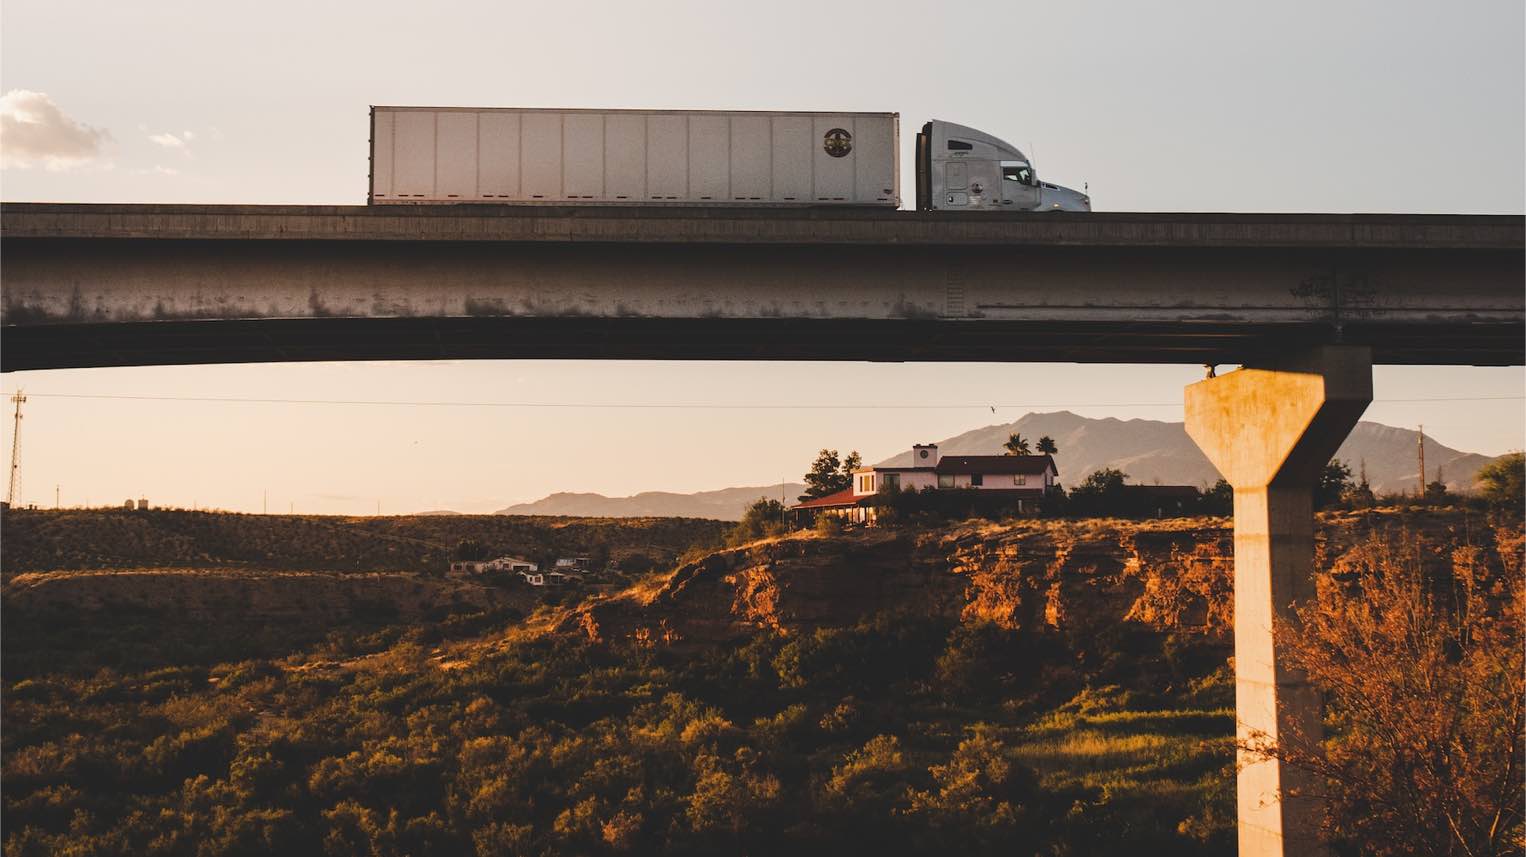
x=837, y=143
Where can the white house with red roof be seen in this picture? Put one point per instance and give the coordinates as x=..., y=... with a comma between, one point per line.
x=1025, y=479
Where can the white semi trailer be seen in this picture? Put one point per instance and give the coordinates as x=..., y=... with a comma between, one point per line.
x=693, y=157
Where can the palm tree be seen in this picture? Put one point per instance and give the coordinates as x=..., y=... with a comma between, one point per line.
x=1016, y=445
x=1046, y=445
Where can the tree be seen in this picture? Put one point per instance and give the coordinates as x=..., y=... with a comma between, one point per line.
x=1422, y=668
x=470, y=549
x=1220, y=499
x=1360, y=496
x=1334, y=482
x=1100, y=493
x=1017, y=445
x=828, y=474
x=1105, y=481
x=764, y=518
x=1436, y=493
x=1502, y=480
x=1047, y=447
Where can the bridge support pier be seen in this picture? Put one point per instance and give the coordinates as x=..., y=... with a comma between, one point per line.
x=1270, y=428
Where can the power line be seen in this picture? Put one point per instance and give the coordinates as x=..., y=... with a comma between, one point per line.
x=751, y=406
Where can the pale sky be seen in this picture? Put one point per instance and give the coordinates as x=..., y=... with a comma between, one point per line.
x=1210, y=106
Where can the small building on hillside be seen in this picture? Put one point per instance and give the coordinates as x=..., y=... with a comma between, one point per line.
x=573, y=563
x=1023, y=479
x=550, y=578
x=509, y=564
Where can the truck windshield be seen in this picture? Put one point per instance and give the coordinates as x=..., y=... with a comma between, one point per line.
x=1017, y=171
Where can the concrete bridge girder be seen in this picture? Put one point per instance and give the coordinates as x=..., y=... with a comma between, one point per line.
x=135, y=281
x=119, y=285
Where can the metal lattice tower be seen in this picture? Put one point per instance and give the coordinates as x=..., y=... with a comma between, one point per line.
x=15, y=488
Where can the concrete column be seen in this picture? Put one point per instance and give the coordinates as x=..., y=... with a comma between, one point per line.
x=1270, y=428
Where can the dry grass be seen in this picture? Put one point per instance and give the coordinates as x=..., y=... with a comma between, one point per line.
x=1152, y=751
x=1089, y=750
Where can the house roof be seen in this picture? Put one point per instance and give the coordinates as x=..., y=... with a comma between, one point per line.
x=998, y=464
x=841, y=498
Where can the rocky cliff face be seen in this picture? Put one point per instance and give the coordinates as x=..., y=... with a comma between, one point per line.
x=1079, y=578
x=1076, y=578
x=1040, y=575
x=779, y=586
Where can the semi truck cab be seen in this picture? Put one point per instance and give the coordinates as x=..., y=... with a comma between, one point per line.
x=962, y=169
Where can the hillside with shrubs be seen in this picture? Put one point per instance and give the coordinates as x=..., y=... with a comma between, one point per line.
x=976, y=686
x=46, y=540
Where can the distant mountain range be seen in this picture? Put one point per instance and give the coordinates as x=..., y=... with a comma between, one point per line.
x=726, y=504
x=1149, y=451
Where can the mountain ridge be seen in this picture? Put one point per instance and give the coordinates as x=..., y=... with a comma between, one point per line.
x=725, y=504
x=1158, y=451
x=1149, y=451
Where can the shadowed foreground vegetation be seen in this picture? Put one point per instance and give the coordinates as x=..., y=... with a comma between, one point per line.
x=47, y=539
x=910, y=730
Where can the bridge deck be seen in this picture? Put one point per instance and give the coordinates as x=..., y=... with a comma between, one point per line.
x=725, y=225
x=94, y=285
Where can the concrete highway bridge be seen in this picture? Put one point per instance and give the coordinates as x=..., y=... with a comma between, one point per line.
x=1306, y=304
x=99, y=285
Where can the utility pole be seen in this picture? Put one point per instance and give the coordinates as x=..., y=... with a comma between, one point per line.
x=1421, y=444
x=265, y=502
x=55, y=498
x=15, y=487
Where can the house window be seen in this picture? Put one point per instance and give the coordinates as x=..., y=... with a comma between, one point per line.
x=945, y=480
x=866, y=484
x=977, y=479
x=892, y=481
x=1019, y=480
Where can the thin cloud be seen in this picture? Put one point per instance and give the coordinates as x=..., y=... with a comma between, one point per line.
x=169, y=141
x=33, y=131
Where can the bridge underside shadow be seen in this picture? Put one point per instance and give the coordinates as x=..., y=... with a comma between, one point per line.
x=56, y=346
